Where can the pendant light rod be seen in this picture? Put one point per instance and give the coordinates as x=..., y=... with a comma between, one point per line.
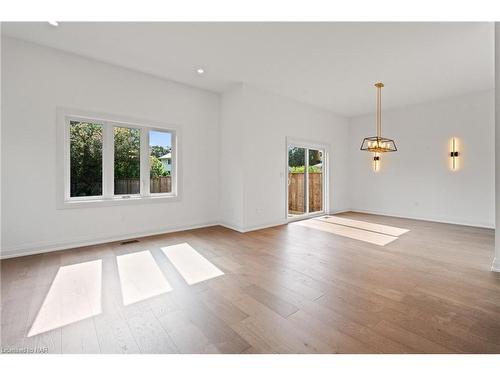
x=379, y=86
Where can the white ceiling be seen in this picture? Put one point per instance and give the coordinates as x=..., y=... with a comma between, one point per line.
x=330, y=65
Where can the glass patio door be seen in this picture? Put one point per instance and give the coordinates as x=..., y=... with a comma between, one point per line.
x=306, y=182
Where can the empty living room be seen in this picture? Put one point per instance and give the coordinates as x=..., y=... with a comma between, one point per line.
x=188, y=187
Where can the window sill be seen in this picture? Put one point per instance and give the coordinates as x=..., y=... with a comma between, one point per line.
x=81, y=203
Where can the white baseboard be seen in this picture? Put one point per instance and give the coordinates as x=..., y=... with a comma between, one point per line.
x=274, y=223
x=230, y=226
x=252, y=228
x=434, y=220
x=495, y=266
x=45, y=247
x=334, y=212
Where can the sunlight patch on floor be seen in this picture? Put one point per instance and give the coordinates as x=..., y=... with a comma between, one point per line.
x=384, y=229
x=192, y=266
x=74, y=295
x=345, y=231
x=140, y=277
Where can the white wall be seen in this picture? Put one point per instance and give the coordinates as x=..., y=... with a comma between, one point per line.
x=416, y=181
x=254, y=127
x=231, y=159
x=1, y=132
x=496, y=260
x=36, y=80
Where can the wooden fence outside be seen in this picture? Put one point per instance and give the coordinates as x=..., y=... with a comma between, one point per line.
x=161, y=184
x=127, y=186
x=296, y=192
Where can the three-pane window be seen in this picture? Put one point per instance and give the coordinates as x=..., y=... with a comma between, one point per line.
x=110, y=160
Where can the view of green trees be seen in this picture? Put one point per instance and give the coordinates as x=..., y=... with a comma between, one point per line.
x=296, y=160
x=127, y=153
x=86, y=157
x=157, y=168
x=158, y=151
x=301, y=169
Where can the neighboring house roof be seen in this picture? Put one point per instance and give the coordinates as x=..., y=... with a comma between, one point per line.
x=167, y=156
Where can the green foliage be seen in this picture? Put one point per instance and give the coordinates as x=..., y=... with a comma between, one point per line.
x=301, y=169
x=127, y=152
x=296, y=157
x=315, y=157
x=158, y=151
x=157, y=168
x=85, y=159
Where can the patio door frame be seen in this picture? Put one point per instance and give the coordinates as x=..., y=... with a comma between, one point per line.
x=308, y=145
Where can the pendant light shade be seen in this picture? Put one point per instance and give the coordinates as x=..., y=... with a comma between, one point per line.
x=378, y=143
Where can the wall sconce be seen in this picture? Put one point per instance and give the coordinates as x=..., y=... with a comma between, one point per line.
x=376, y=162
x=454, y=154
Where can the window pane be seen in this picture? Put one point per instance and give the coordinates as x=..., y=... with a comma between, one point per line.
x=160, y=158
x=296, y=181
x=85, y=159
x=127, y=160
x=315, y=180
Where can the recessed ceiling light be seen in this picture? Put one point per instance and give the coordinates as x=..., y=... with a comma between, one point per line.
x=200, y=70
x=53, y=23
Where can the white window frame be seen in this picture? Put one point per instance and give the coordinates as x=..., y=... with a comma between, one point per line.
x=108, y=198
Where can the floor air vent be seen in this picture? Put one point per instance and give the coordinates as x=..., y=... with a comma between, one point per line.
x=129, y=242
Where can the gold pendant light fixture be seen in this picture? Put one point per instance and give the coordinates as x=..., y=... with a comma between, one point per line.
x=378, y=144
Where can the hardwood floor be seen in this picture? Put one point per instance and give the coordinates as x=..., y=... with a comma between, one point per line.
x=287, y=289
